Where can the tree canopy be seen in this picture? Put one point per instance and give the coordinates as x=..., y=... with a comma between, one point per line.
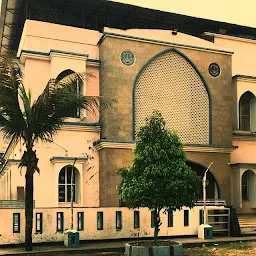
x=159, y=177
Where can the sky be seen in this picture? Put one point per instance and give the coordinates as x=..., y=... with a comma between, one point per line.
x=240, y=12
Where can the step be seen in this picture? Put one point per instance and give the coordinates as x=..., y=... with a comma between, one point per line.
x=247, y=229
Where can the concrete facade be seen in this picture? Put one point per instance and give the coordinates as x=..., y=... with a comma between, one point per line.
x=47, y=49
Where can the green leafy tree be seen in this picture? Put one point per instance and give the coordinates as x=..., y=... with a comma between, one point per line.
x=20, y=118
x=159, y=177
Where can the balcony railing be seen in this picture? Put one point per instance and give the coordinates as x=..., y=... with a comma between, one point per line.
x=13, y=204
x=211, y=202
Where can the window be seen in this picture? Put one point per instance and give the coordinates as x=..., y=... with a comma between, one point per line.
x=245, y=111
x=60, y=221
x=99, y=220
x=136, y=219
x=20, y=193
x=80, y=221
x=16, y=223
x=170, y=218
x=39, y=222
x=201, y=216
x=118, y=220
x=152, y=219
x=121, y=202
x=186, y=218
x=245, y=186
x=65, y=184
x=77, y=87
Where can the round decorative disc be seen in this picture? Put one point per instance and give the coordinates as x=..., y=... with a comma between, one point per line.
x=127, y=58
x=214, y=69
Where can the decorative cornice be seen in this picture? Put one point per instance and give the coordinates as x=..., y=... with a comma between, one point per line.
x=103, y=144
x=244, y=164
x=245, y=78
x=81, y=127
x=52, y=53
x=67, y=159
x=230, y=37
x=134, y=38
x=244, y=135
x=93, y=62
x=210, y=149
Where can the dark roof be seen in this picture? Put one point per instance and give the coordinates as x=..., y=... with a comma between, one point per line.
x=96, y=14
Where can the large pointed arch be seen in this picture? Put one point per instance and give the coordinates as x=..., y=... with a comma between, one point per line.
x=196, y=73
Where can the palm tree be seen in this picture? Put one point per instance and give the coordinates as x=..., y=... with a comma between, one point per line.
x=20, y=118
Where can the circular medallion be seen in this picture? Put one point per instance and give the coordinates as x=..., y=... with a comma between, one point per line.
x=127, y=58
x=214, y=69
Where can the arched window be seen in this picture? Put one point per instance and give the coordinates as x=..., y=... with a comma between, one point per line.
x=76, y=87
x=65, y=184
x=246, y=109
x=245, y=186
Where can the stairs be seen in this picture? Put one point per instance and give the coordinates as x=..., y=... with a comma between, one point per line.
x=247, y=224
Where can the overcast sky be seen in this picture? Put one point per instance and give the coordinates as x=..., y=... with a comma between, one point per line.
x=241, y=12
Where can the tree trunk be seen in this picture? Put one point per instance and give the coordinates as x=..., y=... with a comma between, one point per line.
x=156, y=228
x=157, y=222
x=29, y=190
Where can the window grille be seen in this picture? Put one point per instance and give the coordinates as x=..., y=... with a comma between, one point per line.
x=80, y=221
x=118, y=220
x=171, y=85
x=170, y=218
x=39, y=222
x=245, y=186
x=65, y=184
x=245, y=111
x=60, y=221
x=99, y=220
x=201, y=216
x=186, y=218
x=16, y=223
x=152, y=219
x=136, y=219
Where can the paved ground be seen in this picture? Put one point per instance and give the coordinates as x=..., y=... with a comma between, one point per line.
x=94, y=248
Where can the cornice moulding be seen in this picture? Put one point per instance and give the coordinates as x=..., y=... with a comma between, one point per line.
x=188, y=148
x=81, y=128
x=152, y=41
x=67, y=159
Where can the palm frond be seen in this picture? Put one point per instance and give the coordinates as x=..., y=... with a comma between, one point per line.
x=60, y=100
x=11, y=116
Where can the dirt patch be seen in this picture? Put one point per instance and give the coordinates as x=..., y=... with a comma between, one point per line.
x=231, y=249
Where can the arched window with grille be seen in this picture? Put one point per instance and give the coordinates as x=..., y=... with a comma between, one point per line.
x=245, y=185
x=65, y=184
x=77, y=87
x=247, y=110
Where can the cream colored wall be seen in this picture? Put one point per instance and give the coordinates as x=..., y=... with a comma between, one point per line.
x=245, y=153
x=36, y=76
x=38, y=69
x=43, y=36
x=77, y=144
x=90, y=231
x=244, y=57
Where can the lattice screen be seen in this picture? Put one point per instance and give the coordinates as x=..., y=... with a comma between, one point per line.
x=171, y=85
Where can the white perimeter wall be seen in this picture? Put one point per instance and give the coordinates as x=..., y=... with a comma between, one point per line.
x=90, y=224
